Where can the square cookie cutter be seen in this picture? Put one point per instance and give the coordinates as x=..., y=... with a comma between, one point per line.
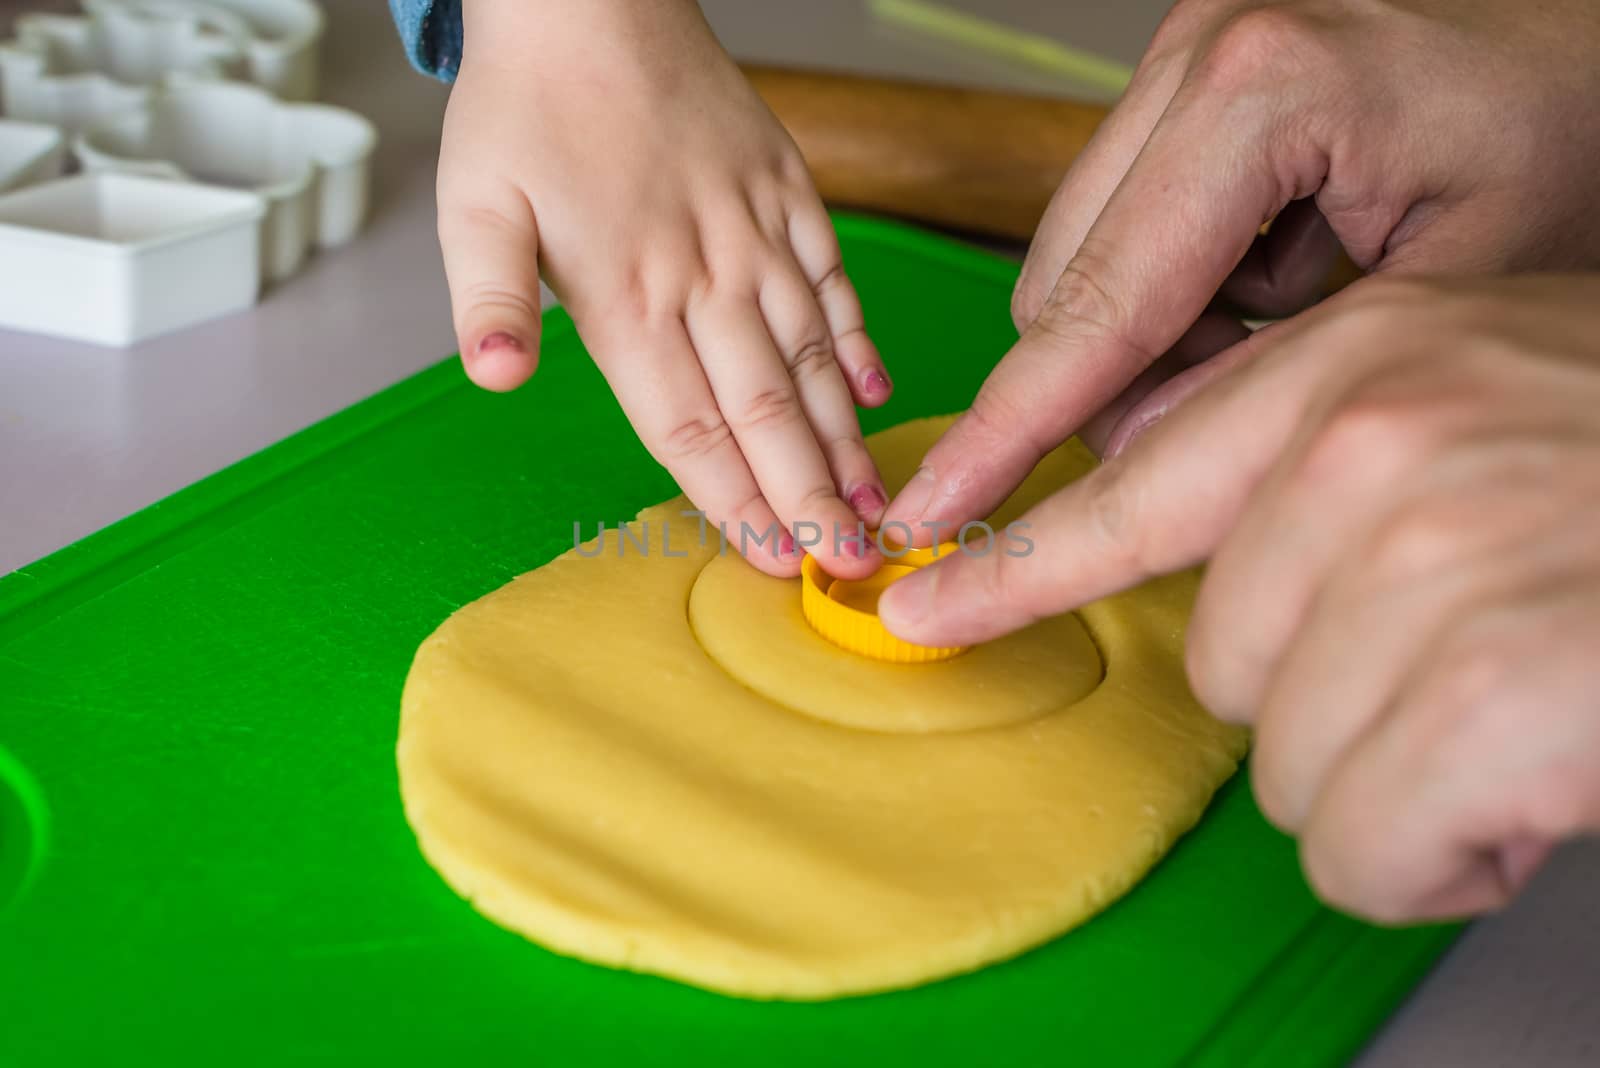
x=117, y=258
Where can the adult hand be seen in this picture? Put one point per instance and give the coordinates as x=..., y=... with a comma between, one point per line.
x=616, y=146
x=1399, y=493
x=1437, y=135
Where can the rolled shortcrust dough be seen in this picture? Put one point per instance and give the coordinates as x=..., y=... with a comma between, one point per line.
x=650, y=762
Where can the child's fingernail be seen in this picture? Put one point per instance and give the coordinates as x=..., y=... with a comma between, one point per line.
x=855, y=547
x=876, y=382
x=787, y=547
x=866, y=500
x=497, y=341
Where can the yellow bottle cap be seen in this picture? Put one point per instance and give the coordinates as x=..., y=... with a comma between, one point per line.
x=895, y=553
x=846, y=612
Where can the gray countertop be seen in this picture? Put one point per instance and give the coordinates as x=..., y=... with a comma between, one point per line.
x=89, y=435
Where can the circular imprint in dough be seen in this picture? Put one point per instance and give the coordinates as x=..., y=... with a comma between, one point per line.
x=1044, y=668
x=577, y=766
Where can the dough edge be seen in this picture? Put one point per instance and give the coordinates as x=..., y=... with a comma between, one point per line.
x=569, y=929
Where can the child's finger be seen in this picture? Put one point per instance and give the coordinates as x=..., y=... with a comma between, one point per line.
x=662, y=388
x=759, y=400
x=797, y=326
x=491, y=259
x=816, y=250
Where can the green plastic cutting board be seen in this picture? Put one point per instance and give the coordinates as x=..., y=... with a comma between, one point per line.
x=201, y=836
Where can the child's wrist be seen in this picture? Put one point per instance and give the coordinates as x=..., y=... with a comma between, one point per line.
x=546, y=34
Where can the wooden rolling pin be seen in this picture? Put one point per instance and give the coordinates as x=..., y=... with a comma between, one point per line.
x=968, y=159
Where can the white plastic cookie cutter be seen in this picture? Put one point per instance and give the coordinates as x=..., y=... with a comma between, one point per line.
x=71, y=71
x=75, y=70
x=117, y=258
x=277, y=39
x=29, y=152
x=311, y=162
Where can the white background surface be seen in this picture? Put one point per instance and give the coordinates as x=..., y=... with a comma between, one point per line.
x=89, y=435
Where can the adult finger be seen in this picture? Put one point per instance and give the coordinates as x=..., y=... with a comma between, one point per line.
x=1093, y=176
x=1419, y=571
x=1339, y=477
x=1166, y=397
x=1448, y=802
x=1177, y=225
x=1213, y=333
x=1161, y=505
x=1356, y=460
x=1320, y=701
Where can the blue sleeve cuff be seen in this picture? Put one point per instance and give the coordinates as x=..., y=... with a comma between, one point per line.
x=431, y=30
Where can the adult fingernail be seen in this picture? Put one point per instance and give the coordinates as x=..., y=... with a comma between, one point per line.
x=908, y=601
x=866, y=500
x=1121, y=439
x=913, y=499
x=499, y=341
x=876, y=382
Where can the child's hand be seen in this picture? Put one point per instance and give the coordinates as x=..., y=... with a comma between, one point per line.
x=617, y=146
